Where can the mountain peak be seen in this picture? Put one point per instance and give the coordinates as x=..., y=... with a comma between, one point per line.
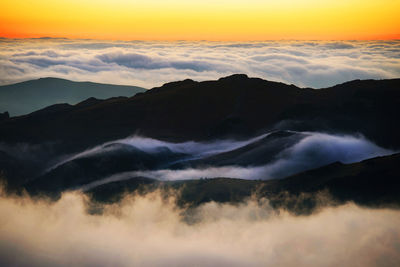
x=51, y=78
x=180, y=83
x=235, y=77
x=88, y=102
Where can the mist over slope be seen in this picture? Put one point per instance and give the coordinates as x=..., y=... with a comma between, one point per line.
x=26, y=97
x=270, y=156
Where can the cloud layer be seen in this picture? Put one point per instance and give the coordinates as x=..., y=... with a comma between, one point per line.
x=151, y=231
x=148, y=64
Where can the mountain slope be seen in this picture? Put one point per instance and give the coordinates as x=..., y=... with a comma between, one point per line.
x=373, y=182
x=235, y=106
x=26, y=97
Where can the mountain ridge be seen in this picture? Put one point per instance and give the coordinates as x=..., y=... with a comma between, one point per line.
x=236, y=106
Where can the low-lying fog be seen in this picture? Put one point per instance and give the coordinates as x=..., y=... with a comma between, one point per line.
x=309, y=150
x=152, y=231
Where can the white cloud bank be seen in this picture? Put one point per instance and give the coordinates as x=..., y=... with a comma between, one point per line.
x=149, y=231
x=148, y=64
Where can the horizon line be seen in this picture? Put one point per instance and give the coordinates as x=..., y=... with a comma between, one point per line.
x=196, y=40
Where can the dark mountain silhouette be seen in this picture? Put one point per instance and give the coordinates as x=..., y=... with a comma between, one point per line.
x=235, y=106
x=232, y=107
x=26, y=97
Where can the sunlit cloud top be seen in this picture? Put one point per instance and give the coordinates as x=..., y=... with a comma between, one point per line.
x=240, y=20
x=143, y=63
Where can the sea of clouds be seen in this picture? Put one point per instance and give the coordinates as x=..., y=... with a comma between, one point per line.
x=149, y=230
x=148, y=64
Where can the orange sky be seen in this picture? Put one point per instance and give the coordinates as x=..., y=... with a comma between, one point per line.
x=240, y=20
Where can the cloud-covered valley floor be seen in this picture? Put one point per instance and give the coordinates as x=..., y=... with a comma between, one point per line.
x=150, y=230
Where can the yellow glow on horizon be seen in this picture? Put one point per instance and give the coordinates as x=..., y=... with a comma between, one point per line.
x=201, y=20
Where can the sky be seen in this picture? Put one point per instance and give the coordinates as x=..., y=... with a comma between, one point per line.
x=316, y=64
x=223, y=20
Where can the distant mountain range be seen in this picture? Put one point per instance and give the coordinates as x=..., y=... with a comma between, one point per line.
x=26, y=97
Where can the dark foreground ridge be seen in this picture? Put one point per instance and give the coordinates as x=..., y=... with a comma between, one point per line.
x=234, y=106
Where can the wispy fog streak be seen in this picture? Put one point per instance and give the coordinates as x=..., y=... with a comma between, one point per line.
x=149, y=145
x=314, y=150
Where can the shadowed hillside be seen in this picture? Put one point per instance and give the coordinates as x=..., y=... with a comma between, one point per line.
x=374, y=182
x=235, y=106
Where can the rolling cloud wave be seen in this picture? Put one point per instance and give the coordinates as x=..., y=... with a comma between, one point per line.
x=312, y=150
